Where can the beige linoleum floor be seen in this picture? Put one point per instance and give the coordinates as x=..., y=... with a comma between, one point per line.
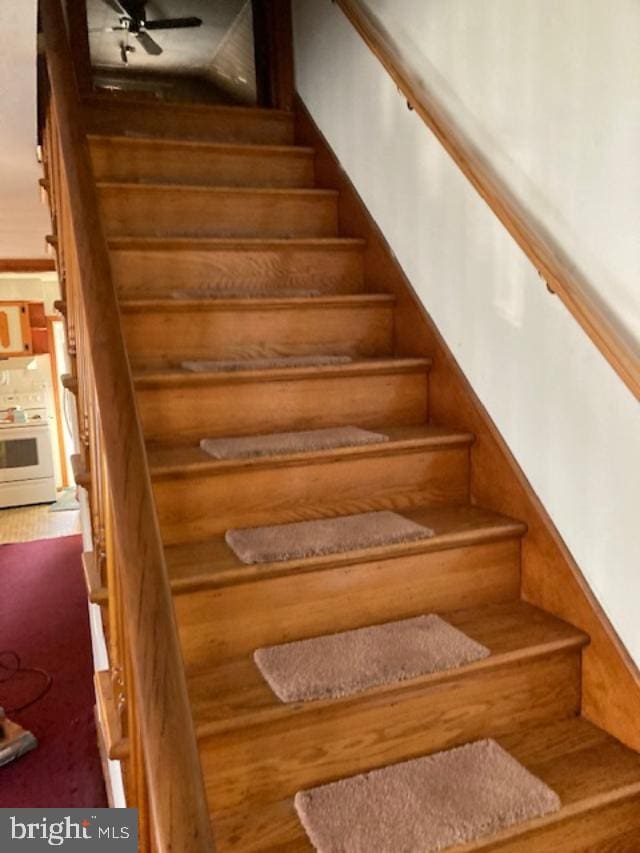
x=23, y=524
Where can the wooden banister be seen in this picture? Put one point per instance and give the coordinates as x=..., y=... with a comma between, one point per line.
x=561, y=276
x=179, y=812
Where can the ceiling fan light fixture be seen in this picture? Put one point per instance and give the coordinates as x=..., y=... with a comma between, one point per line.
x=132, y=19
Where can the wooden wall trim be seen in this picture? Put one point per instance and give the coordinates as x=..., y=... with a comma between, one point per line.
x=552, y=263
x=22, y=265
x=78, y=27
x=273, y=40
x=551, y=578
x=57, y=402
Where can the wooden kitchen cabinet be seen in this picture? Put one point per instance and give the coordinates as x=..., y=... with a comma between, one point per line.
x=15, y=329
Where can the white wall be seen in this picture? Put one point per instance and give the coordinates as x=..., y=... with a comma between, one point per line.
x=24, y=221
x=551, y=92
x=571, y=423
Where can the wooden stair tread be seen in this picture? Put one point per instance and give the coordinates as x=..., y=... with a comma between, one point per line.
x=234, y=694
x=212, y=563
x=149, y=243
x=198, y=208
x=255, y=303
x=162, y=333
x=106, y=101
x=147, y=264
x=170, y=462
x=273, y=192
x=178, y=120
x=586, y=767
x=147, y=158
x=364, y=367
x=197, y=146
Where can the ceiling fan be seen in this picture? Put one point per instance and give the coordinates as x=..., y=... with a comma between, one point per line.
x=133, y=21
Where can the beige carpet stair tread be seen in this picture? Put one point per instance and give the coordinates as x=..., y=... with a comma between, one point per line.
x=581, y=763
x=271, y=363
x=458, y=795
x=235, y=694
x=177, y=377
x=181, y=461
x=292, y=443
x=246, y=300
x=349, y=662
x=319, y=537
x=212, y=563
x=237, y=299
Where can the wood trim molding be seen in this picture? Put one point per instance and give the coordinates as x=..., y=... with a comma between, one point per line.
x=552, y=263
x=22, y=265
x=273, y=43
x=551, y=578
x=78, y=27
x=57, y=402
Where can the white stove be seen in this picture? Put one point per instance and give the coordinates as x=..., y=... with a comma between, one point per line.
x=26, y=456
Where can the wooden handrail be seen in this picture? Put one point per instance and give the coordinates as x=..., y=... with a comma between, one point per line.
x=552, y=263
x=179, y=811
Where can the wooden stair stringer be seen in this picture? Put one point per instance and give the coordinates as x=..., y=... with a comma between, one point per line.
x=551, y=578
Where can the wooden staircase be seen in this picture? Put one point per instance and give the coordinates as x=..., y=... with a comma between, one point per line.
x=196, y=199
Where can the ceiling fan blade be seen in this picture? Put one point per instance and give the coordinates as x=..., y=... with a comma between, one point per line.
x=114, y=6
x=152, y=47
x=173, y=23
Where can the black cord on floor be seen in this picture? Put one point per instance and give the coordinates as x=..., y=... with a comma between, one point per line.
x=7, y=672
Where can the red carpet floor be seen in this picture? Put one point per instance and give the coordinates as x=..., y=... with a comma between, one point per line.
x=44, y=618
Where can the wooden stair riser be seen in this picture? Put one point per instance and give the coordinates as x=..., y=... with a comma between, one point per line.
x=181, y=121
x=276, y=266
x=218, y=624
x=254, y=495
x=121, y=159
x=592, y=831
x=276, y=831
x=138, y=210
x=191, y=412
x=268, y=763
x=165, y=337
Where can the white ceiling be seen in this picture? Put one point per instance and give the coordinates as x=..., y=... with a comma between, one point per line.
x=185, y=51
x=24, y=221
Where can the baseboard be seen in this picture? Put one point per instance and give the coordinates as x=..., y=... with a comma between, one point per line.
x=551, y=579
